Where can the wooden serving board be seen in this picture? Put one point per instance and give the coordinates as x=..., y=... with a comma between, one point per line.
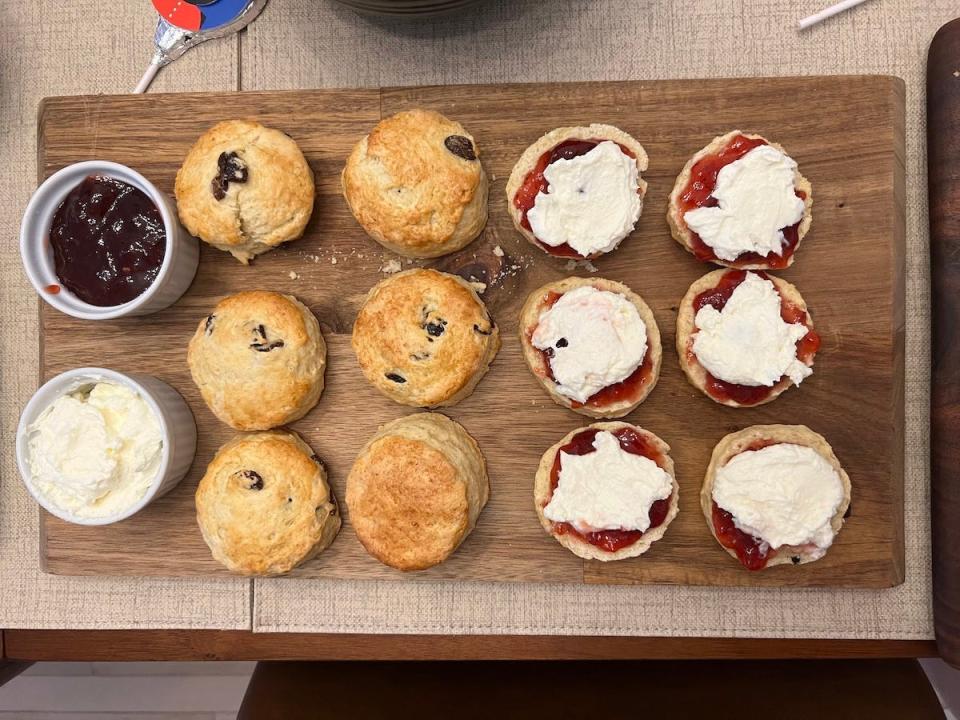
x=847, y=134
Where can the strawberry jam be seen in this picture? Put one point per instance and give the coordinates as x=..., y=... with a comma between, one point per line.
x=535, y=183
x=698, y=193
x=626, y=389
x=752, y=552
x=718, y=296
x=632, y=442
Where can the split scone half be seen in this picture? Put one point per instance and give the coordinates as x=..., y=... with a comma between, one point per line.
x=593, y=344
x=577, y=192
x=416, y=185
x=424, y=338
x=775, y=495
x=416, y=490
x=245, y=188
x=741, y=202
x=744, y=337
x=607, y=491
x=265, y=505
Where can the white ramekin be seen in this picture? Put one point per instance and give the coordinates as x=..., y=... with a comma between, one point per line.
x=176, y=423
x=179, y=261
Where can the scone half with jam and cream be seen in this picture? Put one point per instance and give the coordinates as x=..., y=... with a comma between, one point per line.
x=593, y=344
x=744, y=337
x=577, y=192
x=775, y=495
x=607, y=491
x=741, y=202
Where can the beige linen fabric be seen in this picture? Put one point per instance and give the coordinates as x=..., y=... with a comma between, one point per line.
x=304, y=43
x=49, y=48
x=66, y=48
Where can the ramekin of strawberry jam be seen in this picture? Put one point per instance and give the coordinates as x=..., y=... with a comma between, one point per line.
x=99, y=241
x=632, y=442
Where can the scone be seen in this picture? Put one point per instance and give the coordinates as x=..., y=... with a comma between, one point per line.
x=258, y=360
x=607, y=491
x=416, y=490
x=577, y=191
x=245, y=188
x=744, y=337
x=416, y=185
x=424, y=338
x=741, y=202
x=593, y=344
x=775, y=494
x=264, y=505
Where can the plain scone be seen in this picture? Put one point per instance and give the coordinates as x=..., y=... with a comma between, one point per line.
x=266, y=185
x=735, y=443
x=581, y=548
x=686, y=328
x=258, y=360
x=530, y=318
x=416, y=184
x=416, y=490
x=678, y=226
x=424, y=338
x=264, y=505
x=528, y=161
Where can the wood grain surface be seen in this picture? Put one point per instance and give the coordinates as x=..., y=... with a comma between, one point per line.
x=849, y=143
x=92, y=645
x=943, y=164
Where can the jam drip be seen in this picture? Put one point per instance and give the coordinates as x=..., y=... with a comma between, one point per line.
x=632, y=442
x=807, y=346
x=752, y=552
x=108, y=241
x=535, y=183
x=698, y=193
x=628, y=388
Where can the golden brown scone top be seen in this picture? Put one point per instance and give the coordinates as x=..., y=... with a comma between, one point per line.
x=406, y=186
x=258, y=359
x=422, y=336
x=245, y=188
x=264, y=505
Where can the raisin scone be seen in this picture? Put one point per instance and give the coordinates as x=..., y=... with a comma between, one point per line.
x=577, y=192
x=245, y=188
x=416, y=185
x=264, y=504
x=744, y=337
x=424, y=338
x=416, y=490
x=775, y=495
x=593, y=344
x=607, y=491
x=741, y=202
x=258, y=360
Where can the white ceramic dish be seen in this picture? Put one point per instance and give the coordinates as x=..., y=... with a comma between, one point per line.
x=176, y=423
x=179, y=261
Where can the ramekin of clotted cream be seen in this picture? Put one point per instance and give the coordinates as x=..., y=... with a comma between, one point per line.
x=96, y=446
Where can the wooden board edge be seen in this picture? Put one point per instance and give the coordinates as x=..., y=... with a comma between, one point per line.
x=128, y=645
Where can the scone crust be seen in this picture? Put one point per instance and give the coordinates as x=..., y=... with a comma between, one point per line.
x=541, y=493
x=409, y=192
x=416, y=490
x=252, y=389
x=530, y=318
x=678, y=226
x=272, y=207
x=391, y=337
x=271, y=530
x=528, y=161
x=735, y=443
x=686, y=328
